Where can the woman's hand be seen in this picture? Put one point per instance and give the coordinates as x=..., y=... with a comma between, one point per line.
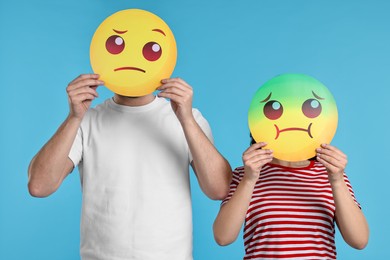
x=334, y=160
x=254, y=158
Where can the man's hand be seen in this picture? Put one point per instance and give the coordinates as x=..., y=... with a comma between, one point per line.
x=81, y=91
x=180, y=94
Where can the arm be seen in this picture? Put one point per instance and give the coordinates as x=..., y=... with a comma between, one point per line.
x=349, y=217
x=232, y=214
x=51, y=164
x=211, y=168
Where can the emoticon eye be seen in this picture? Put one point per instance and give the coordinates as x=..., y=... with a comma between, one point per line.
x=273, y=109
x=152, y=51
x=311, y=108
x=115, y=44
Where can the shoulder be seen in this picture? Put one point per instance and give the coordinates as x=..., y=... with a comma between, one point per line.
x=93, y=113
x=199, y=118
x=196, y=112
x=198, y=115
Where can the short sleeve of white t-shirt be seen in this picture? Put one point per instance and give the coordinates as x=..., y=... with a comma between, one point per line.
x=76, y=152
x=204, y=125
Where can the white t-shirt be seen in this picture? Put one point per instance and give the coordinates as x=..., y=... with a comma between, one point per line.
x=134, y=170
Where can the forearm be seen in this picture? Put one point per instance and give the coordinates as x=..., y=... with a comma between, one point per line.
x=231, y=217
x=350, y=219
x=212, y=169
x=51, y=164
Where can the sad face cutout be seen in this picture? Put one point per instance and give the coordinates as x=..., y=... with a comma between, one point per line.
x=132, y=51
x=294, y=114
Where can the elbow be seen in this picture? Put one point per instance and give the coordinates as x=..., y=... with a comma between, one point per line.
x=361, y=247
x=39, y=189
x=221, y=235
x=34, y=187
x=36, y=190
x=361, y=244
x=359, y=241
x=39, y=185
x=222, y=241
x=220, y=193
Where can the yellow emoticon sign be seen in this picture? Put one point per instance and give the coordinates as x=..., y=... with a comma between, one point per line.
x=132, y=51
x=294, y=114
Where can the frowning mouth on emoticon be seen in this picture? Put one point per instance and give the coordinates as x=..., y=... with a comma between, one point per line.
x=278, y=131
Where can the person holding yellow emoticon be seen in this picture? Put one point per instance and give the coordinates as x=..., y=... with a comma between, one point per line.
x=134, y=150
x=292, y=187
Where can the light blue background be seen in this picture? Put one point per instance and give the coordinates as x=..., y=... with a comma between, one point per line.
x=226, y=50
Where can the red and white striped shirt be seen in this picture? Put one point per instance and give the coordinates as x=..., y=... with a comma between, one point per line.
x=291, y=213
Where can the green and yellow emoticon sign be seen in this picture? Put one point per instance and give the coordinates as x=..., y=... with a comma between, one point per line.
x=294, y=114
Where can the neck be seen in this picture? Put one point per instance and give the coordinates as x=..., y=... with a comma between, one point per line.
x=297, y=164
x=133, y=101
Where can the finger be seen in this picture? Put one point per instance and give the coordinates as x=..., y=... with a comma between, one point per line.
x=333, y=158
x=170, y=96
x=176, y=96
x=255, y=146
x=327, y=148
x=175, y=80
x=332, y=169
x=87, y=82
x=258, y=163
x=331, y=161
x=81, y=90
x=80, y=98
x=181, y=91
x=172, y=85
x=85, y=76
x=88, y=89
x=257, y=154
x=327, y=165
x=83, y=83
x=332, y=152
